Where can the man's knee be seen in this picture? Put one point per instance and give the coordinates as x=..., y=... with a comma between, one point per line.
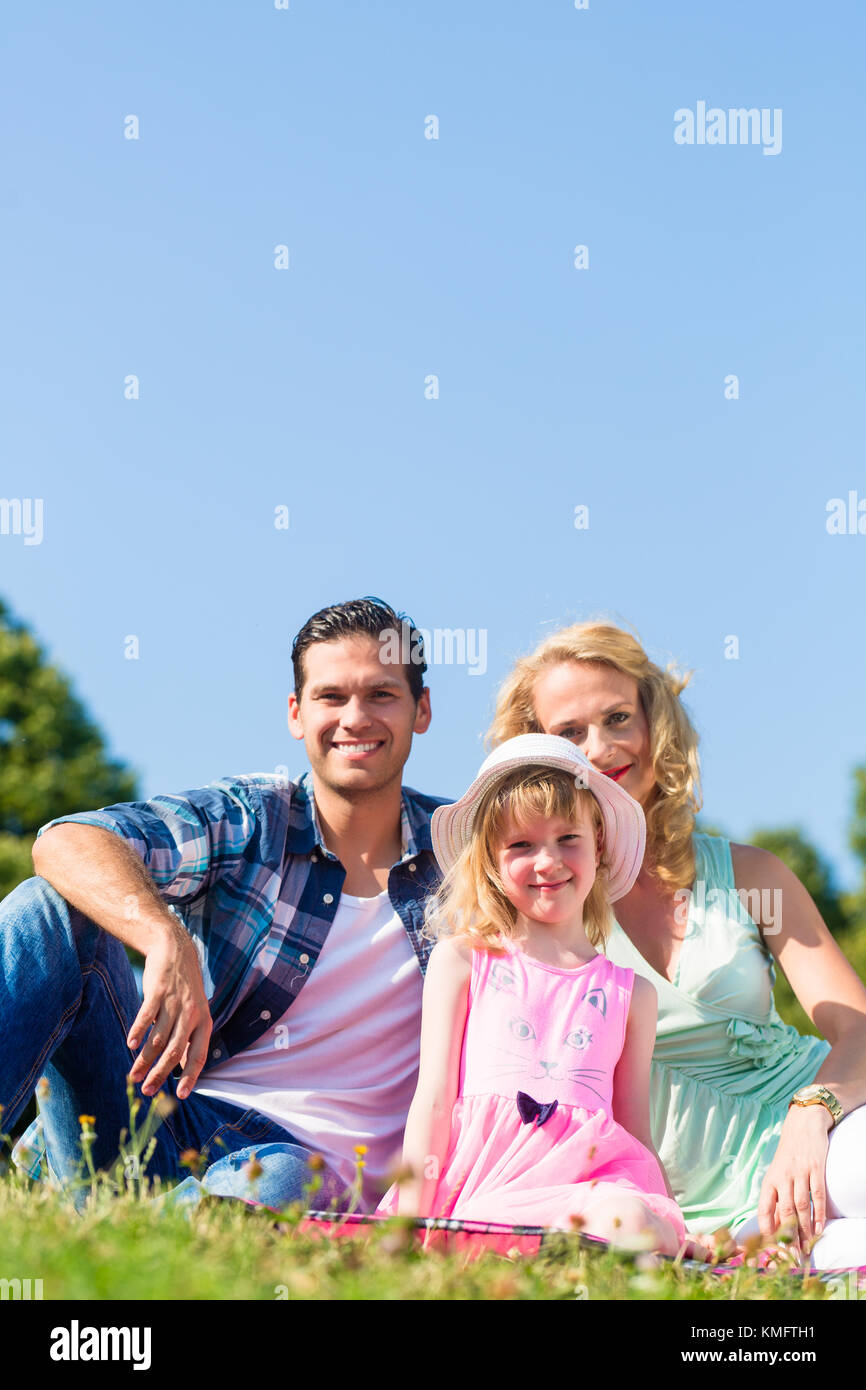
x=34, y=907
x=35, y=901
x=34, y=895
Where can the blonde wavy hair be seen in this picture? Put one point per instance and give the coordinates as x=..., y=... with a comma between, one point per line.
x=670, y=816
x=471, y=901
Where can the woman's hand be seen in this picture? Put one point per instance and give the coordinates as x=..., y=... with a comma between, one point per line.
x=834, y=997
x=794, y=1184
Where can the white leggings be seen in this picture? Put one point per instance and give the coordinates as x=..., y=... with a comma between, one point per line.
x=843, y=1244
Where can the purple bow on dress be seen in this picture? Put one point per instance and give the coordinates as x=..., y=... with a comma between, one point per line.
x=533, y=1110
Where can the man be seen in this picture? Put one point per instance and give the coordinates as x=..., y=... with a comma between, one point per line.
x=281, y=930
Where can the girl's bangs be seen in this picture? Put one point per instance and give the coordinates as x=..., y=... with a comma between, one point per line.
x=542, y=795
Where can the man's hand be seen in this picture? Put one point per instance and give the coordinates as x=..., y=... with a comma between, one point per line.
x=176, y=1005
x=102, y=876
x=795, y=1181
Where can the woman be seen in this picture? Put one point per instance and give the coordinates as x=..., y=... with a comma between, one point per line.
x=739, y=1150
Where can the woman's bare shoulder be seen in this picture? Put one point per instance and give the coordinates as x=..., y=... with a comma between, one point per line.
x=757, y=868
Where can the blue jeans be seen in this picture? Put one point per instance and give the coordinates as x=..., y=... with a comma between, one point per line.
x=68, y=998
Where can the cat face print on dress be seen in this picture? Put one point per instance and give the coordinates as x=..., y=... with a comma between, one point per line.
x=521, y=1058
x=501, y=978
x=598, y=999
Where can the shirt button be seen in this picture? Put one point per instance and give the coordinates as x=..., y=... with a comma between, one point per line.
x=265, y=1014
x=314, y=857
x=217, y=1052
x=304, y=958
x=328, y=898
x=412, y=868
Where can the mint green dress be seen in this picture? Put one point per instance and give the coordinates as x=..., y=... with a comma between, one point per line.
x=724, y=1065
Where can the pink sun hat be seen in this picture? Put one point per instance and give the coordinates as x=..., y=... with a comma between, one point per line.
x=624, y=823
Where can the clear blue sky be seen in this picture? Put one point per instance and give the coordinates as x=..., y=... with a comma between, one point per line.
x=409, y=257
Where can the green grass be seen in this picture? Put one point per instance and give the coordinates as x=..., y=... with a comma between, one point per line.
x=123, y=1247
x=124, y=1243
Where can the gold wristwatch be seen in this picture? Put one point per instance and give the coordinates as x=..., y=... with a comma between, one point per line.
x=818, y=1095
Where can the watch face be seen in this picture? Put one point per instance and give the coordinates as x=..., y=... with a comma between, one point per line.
x=808, y=1092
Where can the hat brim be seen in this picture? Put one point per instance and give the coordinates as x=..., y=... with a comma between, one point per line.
x=624, y=822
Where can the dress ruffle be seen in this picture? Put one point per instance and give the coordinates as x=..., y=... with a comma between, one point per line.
x=762, y=1043
x=502, y=1170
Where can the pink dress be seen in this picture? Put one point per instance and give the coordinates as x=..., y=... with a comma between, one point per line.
x=532, y=1139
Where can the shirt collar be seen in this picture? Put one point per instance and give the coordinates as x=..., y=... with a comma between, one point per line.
x=304, y=833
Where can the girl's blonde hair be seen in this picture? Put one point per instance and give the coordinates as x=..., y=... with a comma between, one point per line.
x=472, y=901
x=670, y=816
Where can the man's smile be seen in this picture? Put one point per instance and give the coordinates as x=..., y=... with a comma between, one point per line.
x=358, y=750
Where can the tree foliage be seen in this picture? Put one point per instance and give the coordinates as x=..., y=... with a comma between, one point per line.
x=856, y=902
x=53, y=759
x=844, y=913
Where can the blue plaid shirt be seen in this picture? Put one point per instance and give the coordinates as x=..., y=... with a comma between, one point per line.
x=242, y=863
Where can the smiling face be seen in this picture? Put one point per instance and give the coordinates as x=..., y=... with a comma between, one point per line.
x=598, y=708
x=547, y=865
x=356, y=715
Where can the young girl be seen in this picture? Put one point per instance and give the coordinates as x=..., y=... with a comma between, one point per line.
x=532, y=1099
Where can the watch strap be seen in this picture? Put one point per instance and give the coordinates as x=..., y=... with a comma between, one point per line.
x=824, y=1097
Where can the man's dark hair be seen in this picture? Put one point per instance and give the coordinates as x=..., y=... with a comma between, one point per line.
x=363, y=615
